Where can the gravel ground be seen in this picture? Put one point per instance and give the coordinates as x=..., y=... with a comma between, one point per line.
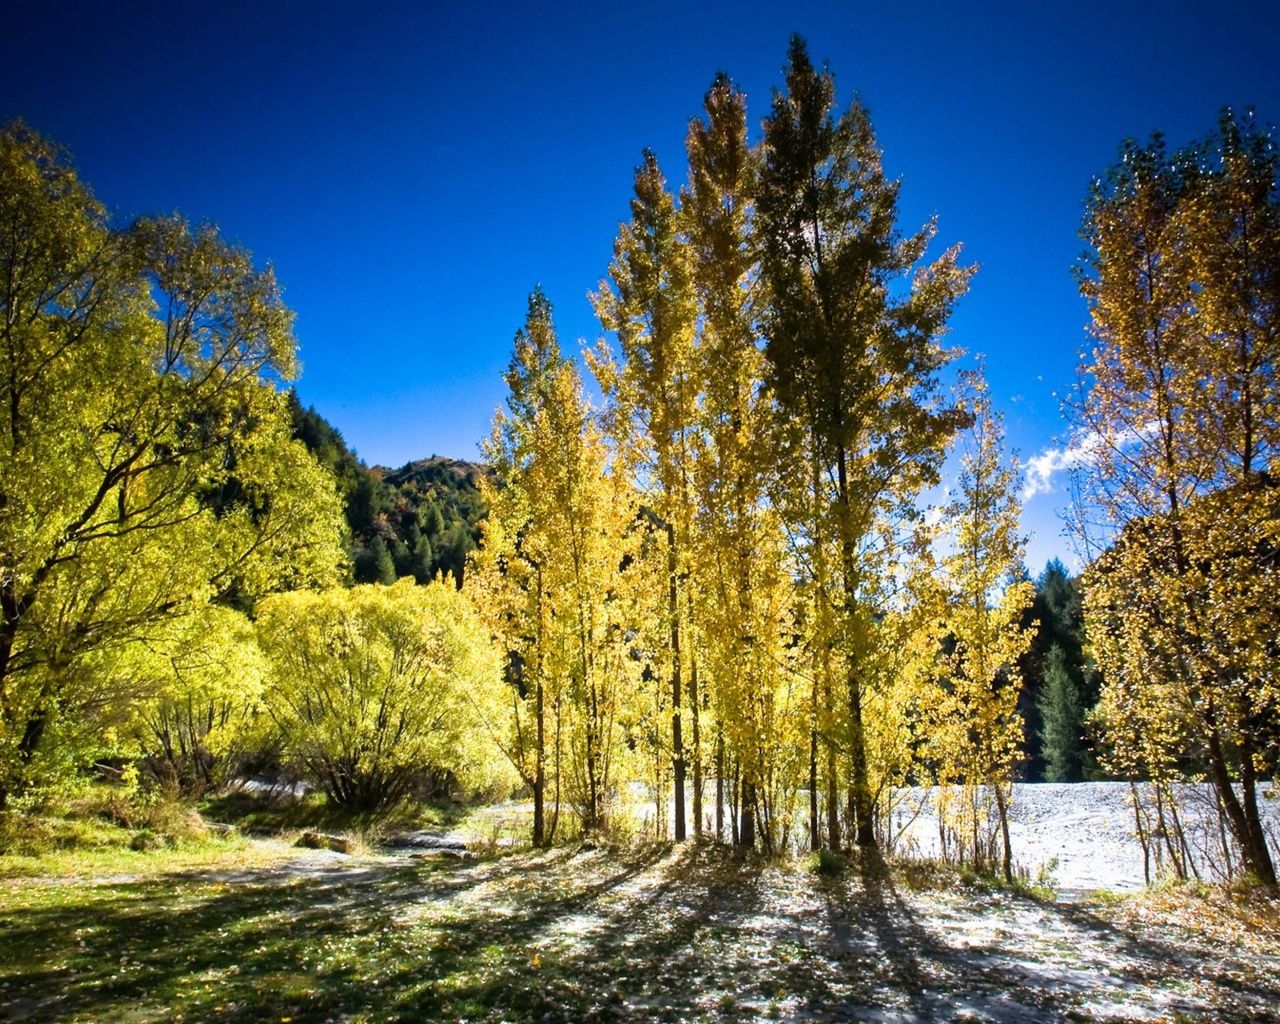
x=1087, y=828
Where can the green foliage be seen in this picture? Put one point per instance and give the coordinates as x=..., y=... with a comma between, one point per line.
x=426, y=515
x=376, y=685
x=146, y=465
x=828, y=862
x=1062, y=711
x=852, y=320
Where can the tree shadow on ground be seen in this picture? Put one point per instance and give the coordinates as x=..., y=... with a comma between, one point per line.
x=695, y=933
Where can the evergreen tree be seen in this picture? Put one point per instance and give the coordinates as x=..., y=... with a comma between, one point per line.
x=1062, y=711
x=382, y=568
x=1058, y=612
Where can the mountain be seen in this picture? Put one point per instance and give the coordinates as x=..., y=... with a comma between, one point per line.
x=418, y=520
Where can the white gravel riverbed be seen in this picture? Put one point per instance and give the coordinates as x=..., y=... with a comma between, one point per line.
x=1088, y=828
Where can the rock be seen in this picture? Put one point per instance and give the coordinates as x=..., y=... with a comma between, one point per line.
x=324, y=841
x=424, y=840
x=441, y=852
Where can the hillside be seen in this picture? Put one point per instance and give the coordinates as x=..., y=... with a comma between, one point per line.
x=418, y=520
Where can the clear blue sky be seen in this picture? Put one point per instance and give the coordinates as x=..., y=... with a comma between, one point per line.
x=413, y=170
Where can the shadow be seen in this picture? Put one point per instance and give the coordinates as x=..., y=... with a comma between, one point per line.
x=655, y=933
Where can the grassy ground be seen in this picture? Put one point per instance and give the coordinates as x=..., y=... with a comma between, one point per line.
x=253, y=931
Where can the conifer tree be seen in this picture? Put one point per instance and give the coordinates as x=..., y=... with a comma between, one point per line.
x=1062, y=712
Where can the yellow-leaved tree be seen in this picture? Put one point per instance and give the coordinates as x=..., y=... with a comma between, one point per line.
x=1183, y=278
x=552, y=578
x=146, y=463
x=651, y=305
x=375, y=688
x=972, y=727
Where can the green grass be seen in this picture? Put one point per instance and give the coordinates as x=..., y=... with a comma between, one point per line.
x=236, y=929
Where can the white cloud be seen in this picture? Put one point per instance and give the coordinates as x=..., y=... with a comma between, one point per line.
x=1079, y=451
x=1040, y=470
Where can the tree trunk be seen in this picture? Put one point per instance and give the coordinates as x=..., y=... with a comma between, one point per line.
x=719, y=785
x=859, y=782
x=1003, y=810
x=677, y=737
x=539, y=772
x=815, y=825
x=1264, y=868
x=747, y=829
x=1253, y=847
x=833, y=801
x=697, y=747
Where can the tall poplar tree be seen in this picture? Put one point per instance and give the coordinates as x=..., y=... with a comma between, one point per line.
x=741, y=569
x=549, y=578
x=651, y=306
x=853, y=322
x=977, y=729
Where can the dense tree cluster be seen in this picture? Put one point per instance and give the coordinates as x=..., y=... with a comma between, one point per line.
x=420, y=520
x=720, y=605
x=161, y=511
x=726, y=575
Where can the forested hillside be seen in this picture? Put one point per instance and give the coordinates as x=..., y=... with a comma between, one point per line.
x=418, y=520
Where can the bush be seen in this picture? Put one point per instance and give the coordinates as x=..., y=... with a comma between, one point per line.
x=375, y=686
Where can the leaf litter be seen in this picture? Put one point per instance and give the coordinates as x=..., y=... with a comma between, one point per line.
x=633, y=934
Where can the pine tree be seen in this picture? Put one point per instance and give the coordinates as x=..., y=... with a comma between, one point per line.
x=382, y=568
x=1062, y=712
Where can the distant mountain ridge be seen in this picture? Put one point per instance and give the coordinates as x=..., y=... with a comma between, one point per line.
x=436, y=469
x=419, y=520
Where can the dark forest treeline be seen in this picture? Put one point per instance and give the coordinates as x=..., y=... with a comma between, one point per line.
x=419, y=520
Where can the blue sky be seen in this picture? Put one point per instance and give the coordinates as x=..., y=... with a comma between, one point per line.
x=414, y=170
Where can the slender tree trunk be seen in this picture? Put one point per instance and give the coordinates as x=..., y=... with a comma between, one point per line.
x=735, y=793
x=719, y=784
x=539, y=771
x=540, y=837
x=677, y=736
x=833, y=800
x=559, y=748
x=1253, y=847
x=697, y=746
x=815, y=824
x=747, y=829
x=1003, y=810
x=859, y=780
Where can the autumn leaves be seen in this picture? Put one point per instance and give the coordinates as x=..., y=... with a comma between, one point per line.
x=718, y=585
